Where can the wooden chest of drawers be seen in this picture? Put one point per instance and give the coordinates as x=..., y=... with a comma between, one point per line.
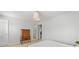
x=25, y=34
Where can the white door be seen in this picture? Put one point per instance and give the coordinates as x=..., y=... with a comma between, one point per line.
x=3, y=32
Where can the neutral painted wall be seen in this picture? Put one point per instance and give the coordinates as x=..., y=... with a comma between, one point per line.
x=63, y=28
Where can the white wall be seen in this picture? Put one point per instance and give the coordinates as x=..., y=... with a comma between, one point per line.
x=63, y=28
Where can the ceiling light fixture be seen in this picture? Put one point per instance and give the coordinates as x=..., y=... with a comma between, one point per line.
x=36, y=16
